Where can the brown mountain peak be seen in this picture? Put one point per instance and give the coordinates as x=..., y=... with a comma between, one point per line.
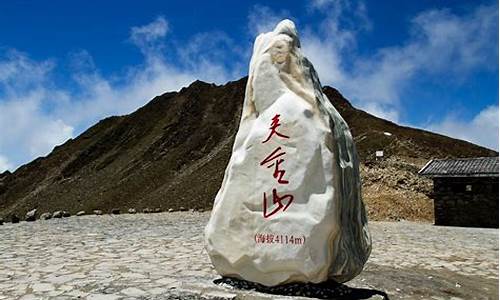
x=172, y=152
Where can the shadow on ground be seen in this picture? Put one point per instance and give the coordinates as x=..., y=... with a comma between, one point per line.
x=324, y=290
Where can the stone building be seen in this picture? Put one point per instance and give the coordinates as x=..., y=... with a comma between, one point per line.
x=465, y=191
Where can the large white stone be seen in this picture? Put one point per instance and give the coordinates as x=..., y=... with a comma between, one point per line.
x=322, y=232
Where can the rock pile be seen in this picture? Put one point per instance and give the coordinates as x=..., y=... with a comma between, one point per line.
x=392, y=190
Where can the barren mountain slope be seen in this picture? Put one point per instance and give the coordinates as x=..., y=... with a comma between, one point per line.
x=172, y=153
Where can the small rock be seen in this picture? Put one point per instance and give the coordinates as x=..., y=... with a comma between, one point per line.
x=31, y=215
x=182, y=208
x=170, y=210
x=105, y=296
x=66, y=214
x=134, y=292
x=191, y=210
x=147, y=210
x=15, y=219
x=45, y=216
x=97, y=212
x=157, y=210
x=42, y=287
x=57, y=214
x=201, y=210
x=115, y=211
x=132, y=211
x=80, y=213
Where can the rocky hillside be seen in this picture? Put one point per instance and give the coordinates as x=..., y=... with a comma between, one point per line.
x=172, y=153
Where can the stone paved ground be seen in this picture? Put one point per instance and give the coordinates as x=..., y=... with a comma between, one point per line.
x=161, y=256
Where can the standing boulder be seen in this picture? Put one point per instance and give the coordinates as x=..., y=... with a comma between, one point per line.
x=97, y=212
x=80, y=213
x=115, y=211
x=57, y=214
x=31, y=215
x=289, y=208
x=66, y=214
x=1, y=221
x=132, y=211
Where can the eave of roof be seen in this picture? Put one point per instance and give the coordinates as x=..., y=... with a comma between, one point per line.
x=460, y=175
x=461, y=167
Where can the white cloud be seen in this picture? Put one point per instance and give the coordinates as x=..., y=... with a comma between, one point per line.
x=382, y=111
x=4, y=164
x=263, y=19
x=440, y=43
x=213, y=56
x=146, y=37
x=445, y=41
x=199, y=58
x=27, y=131
x=482, y=129
x=36, y=114
x=322, y=3
x=18, y=72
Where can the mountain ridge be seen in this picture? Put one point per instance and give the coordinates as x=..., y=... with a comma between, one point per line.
x=172, y=152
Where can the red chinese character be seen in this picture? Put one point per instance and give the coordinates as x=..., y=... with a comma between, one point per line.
x=274, y=125
x=270, y=238
x=260, y=238
x=272, y=156
x=277, y=172
x=277, y=200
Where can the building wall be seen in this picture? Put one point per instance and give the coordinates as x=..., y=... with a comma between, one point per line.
x=456, y=204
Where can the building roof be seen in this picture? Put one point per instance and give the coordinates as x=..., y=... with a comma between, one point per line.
x=461, y=167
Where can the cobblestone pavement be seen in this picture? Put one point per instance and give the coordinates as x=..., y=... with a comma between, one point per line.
x=161, y=256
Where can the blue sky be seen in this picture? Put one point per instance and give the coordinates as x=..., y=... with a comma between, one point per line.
x=65, y=65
